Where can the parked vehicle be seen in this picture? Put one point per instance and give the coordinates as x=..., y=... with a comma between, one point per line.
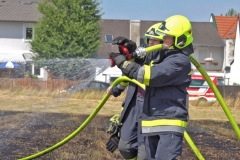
x=88, y=85
x=199, y=89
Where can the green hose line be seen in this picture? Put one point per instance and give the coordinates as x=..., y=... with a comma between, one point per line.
x=217, y=94
x=192, y=145
x=124, y=78
x=153, y=48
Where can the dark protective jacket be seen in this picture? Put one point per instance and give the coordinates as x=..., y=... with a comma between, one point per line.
x=132, y=90
x=166, y=80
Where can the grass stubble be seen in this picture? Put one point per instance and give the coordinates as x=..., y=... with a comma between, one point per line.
x=32, y=121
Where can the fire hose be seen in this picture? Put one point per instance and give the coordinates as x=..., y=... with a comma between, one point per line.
x=143, y=52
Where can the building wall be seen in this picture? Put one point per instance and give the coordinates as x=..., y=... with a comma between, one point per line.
x=229, y=51
x=235, y=76
x=12, y=36
x=115, y=28
x=217, y=53
x=135, y=31
x=130, y=29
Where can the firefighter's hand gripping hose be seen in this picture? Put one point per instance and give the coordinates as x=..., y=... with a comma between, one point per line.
x=139, y=52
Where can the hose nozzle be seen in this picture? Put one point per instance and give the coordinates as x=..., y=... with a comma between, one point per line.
x=141, y=51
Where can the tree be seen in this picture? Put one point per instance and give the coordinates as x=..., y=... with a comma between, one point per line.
x=231, y=12
x=67, y=29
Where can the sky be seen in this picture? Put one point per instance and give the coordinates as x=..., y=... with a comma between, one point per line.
x=194, y=10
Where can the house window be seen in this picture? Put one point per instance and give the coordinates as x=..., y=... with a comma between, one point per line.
x=27, y=33
x=108, y=38
x=36, y=71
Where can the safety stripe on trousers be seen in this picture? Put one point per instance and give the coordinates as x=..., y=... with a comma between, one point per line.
x=163, y=125
x=163, y=129
x=164, y=122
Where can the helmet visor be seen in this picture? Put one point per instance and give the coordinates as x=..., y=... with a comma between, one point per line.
x=154, y=39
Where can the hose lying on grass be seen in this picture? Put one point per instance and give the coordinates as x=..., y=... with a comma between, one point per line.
x=117, y=81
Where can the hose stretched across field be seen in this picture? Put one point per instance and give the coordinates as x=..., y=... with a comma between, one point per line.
x=117, y=81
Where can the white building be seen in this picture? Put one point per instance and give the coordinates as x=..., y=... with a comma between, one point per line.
x=235, y=73
x=228, y=29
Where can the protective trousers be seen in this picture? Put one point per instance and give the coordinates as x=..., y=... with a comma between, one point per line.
x=131, y=145
x=163, y=146
x=141, y=147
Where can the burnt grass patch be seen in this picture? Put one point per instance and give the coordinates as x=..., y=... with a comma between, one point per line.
x=50, y=128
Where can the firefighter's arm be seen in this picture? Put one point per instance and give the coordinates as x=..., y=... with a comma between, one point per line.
x=117, y=90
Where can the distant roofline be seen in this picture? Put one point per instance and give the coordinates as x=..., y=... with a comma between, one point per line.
x=18, y=21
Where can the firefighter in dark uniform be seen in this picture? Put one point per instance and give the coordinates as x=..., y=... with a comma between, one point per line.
x=165, y=111
x=131, y=144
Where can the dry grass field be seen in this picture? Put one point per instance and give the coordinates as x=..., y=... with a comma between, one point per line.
x=32, y=121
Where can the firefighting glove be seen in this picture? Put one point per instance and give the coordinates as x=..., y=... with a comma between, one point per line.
x=113, y=129
x=129, y=44
x=114, y=125
x=128, y=68
x=117, y=58
x=112, y=143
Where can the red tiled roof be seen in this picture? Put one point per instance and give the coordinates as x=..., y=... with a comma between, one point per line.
x=226, y=26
